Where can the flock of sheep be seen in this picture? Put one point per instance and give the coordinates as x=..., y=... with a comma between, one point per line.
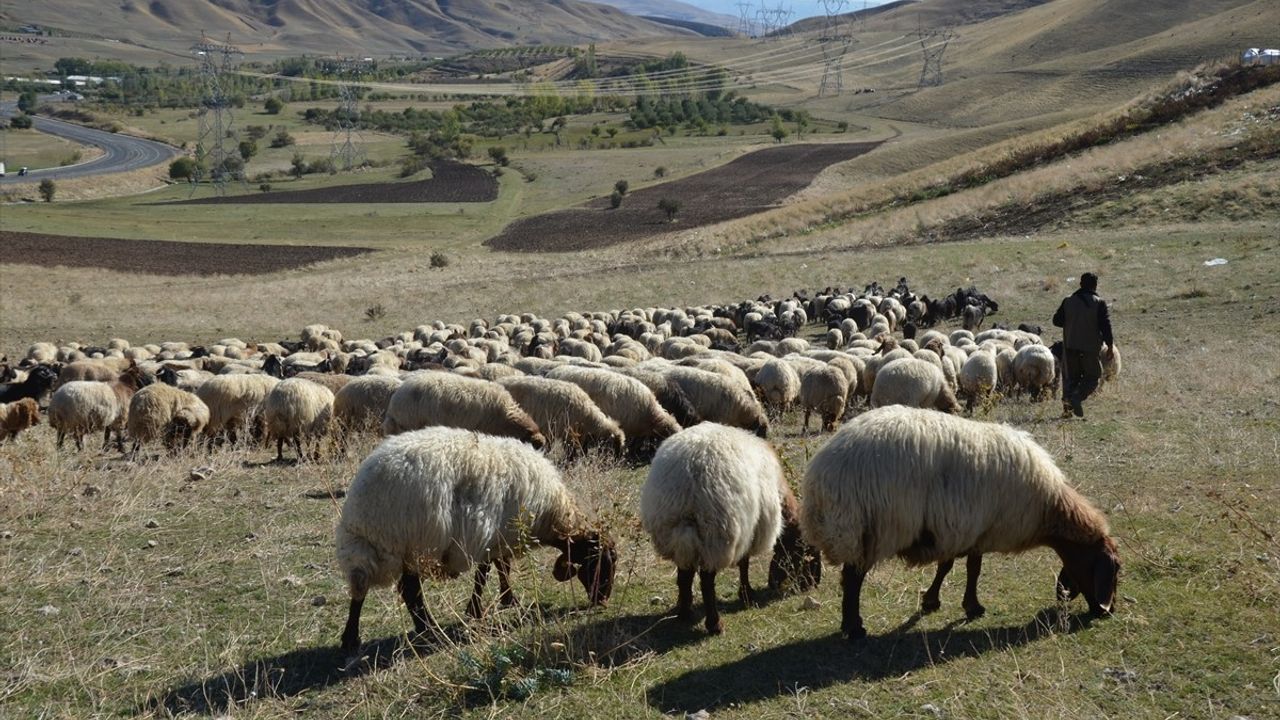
x=461, y=482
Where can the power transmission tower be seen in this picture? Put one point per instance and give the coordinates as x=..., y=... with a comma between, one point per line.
x=345, y=150
x=834, y=40
x=764, y=21
x=216, y=120
x=744, y=19
x=933, y=43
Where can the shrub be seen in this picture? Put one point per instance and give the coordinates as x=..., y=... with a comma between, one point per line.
x=184, y=168
x=47, y=189
x=265, y=187
x=660, y=171
x=621, y=187
x=439, y=260
x=615, y=200
x=248, y=149
x=299, y=166
x=282, y=139
x=498, y=154
x=375, y=312
x=273, y=105
x=21, y=122
x=670, y=206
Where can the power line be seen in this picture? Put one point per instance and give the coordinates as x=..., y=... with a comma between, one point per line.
x=215, y=119
x=933, y=44
x=835, y=40
x=345, y=150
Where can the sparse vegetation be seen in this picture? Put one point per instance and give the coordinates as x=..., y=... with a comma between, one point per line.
x=439, y=260
x=184, y=168
x=48, y=189
x=669, y=207
x=615, y=199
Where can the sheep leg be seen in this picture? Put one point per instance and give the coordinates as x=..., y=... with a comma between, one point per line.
x=106, y=439
x=745, y=592
x=707, y=579
x=351, y=634
x=411, y=591
x=850, y=612
x=506, y=597
x=806, y=421
x=973, y=568
x=79, y=438
x=684, y=589
x=475, y=608
x=297, y=447
x=279, y=449
x=929, y=602
x=61, y=436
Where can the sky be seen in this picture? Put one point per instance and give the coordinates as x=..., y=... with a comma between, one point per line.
x=802, y=8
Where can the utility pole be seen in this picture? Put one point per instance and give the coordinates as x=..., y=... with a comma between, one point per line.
x=933, y=44
x=215, y=119
x=834, y=40
x=744, y=19
x=345, y=150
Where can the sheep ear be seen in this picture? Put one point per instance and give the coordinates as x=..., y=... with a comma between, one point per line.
x=563, y=570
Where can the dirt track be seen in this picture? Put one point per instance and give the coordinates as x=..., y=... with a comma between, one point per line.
x=747, y=185
x=154, y=257
x=450, y=182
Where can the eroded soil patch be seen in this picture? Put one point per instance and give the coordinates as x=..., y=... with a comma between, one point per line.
x=451, y=182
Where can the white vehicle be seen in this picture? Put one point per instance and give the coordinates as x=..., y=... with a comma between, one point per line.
x=1, y=169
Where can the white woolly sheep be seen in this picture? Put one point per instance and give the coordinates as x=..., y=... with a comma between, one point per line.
x=565, y=413
x=295, y=410
x=824, y=390
x=1034, y=370
x=441, y=500
x=714, y=499
x=779, y=385
x=719, y=399
x=978, y=378
x=85, y=406
x=360, y=404
x=625, y=399
x=439, y=398
x=914, y=383
x=235, y=401
x=1111, y=364
x=928, y=487
x=160, y=411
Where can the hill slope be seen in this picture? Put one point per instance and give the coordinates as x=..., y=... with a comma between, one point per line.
x=673, y=9
x=340, y=26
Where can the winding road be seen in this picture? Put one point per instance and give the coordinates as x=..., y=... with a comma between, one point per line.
x=120, y=153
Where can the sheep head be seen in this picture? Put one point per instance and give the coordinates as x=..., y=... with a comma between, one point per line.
x=1092, y=570
x=590, y=557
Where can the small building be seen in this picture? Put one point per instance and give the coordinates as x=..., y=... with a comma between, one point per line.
x=1260, y=56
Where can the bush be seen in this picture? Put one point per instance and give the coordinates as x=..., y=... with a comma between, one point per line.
x=498, y=154
x=265, y=187
x=660, y=171
x=47, y=189
x=375, y=312
x=299, y=166
x=621, y=187
x=21, y=122
x=670, y=206
x=615, y=200
x=843, y=126
x=27, y=101
x=248, y=149
x=273, y=105
x=184, y=168
x=282, y=139
x=439, y=259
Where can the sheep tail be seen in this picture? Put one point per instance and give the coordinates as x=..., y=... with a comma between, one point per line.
x=685, y=545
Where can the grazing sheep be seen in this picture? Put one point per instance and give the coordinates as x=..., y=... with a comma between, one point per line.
x=1034, y=370
x=824, y=390
x=441, y=500
x=625, y=399
x=329, y=380
x=40, y=380
x=713, y=499
x=1111, y=364
x=779, y=385
x=161, y=411
x=440, y=398
x=85, y=406
x=235, y=401
x=928, y=487
x=360, y=404
x=719, y=399
x=297, y=409
x=914, y=383
x=978, y=378
x=565, y=413
x=17, y=416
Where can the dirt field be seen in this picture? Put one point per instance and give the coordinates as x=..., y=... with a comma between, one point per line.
x=749, y=184
x=450, y=182
x=163, y=258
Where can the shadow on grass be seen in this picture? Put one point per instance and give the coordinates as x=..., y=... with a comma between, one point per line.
x=286, y=676
x=831, y=660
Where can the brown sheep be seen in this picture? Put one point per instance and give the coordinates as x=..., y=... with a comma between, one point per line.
x=18, y=416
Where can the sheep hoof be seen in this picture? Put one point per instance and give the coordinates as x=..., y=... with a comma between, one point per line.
x=715, y=628
x=929, y=604
x=973, y=612
x=684, y=614
x=748, y=597
x=855, y=634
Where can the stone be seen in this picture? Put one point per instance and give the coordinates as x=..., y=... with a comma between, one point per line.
x=152, y=524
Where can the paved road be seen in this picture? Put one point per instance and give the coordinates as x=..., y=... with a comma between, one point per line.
x=121, y=153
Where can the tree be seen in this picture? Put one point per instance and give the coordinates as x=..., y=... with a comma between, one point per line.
x=184, y=168
x=273, y=105
x=27, y=101
x=615, y=200
x=47, y=189
x=498, y=154
x=248, y=149
x=802, y=122
x=299, y=167
x=779, y=133
x=670, y=206
x=612, y=132
x=21, y=122
x=621, y=187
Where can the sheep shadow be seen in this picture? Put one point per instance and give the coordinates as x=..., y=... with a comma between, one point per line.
x=288, y=675
x=830, y=660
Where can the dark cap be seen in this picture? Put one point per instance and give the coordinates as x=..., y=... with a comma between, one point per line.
x=1089, y=281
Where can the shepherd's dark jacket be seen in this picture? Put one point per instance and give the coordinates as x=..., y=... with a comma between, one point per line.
x=1085, y=322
